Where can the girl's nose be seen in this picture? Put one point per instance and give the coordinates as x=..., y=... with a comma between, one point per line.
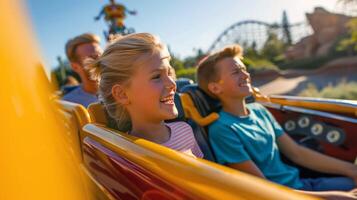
x=246, y=74
x=170, y=83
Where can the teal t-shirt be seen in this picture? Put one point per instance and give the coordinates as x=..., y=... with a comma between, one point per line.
x=253, y=137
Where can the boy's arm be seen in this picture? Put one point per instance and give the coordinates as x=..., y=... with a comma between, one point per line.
x=315, y=160
x=247, y=167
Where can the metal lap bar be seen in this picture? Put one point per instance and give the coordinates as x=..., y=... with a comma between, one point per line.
x=192, y=112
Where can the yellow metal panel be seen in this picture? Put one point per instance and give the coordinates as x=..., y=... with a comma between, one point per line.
x=317, y=103
x=97, y=113
x=321, y=106
x=36, y=163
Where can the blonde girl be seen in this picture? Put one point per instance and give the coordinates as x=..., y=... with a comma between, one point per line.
x=137, y=88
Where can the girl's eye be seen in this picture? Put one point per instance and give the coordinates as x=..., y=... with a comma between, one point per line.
x=235, y=72
x=157, y=76
x=169, y=73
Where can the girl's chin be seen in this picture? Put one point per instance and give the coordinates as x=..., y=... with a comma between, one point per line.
x=168, y=111
x=171, y=114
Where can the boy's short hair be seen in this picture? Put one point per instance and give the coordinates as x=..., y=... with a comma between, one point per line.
x=73, y=43
x=207, y=70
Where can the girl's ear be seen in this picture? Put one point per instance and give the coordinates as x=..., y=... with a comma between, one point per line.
x=120, y=95
x=215, y=88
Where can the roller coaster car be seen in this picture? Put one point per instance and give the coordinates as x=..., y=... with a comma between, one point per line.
x=120, y=166
x=39, y=141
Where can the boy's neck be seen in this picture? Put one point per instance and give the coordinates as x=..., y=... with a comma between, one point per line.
x=235, y=107
x=154, y=132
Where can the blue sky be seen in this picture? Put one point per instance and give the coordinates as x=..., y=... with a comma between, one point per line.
x=182, y=24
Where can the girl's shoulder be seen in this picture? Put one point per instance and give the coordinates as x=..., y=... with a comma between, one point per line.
x=178, y=124
x=179, y=131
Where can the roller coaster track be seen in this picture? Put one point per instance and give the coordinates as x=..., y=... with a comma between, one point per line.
x=226, y=33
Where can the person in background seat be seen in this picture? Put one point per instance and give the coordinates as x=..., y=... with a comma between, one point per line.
x=249, y=139
x=78, y=50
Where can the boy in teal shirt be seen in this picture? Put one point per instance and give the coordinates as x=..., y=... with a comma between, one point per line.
x=248, y=138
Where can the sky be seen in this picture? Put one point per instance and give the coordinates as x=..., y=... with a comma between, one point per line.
x=185, y=25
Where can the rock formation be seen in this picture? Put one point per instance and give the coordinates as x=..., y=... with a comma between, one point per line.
x=326, y=28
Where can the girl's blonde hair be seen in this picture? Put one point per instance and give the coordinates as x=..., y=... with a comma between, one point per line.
x=116, y=65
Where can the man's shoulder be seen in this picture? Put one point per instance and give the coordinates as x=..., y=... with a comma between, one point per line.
x=78, y=95
x=67, y=89
x=72, y=93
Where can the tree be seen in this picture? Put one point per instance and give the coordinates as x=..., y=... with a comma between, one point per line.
x=176, y=63
x=62, y=71
x=251, y=51
x=273, y=46
x=350, y=44
x=286, y=29
x=192, y=61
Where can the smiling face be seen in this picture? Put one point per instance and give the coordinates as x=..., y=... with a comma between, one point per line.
x=234, y=81
x=152, y=88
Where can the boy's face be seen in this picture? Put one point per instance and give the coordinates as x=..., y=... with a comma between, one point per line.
x=234, y=81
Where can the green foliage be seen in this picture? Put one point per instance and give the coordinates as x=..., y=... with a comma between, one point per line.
x=176, y=63
x=307, y=63
x=258, y=65
x=310, y=91
x=343, y=90
x=350, y=43
x=192, y=61
x=251, y=51
x=266, y=58
x=62, y=71
x=187, y=68
x=273, y=47
x=187, y=73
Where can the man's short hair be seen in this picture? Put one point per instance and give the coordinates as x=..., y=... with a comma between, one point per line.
x=73, y=43
x=207, y=70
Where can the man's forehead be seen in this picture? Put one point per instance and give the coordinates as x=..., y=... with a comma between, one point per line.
x=87, y=49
